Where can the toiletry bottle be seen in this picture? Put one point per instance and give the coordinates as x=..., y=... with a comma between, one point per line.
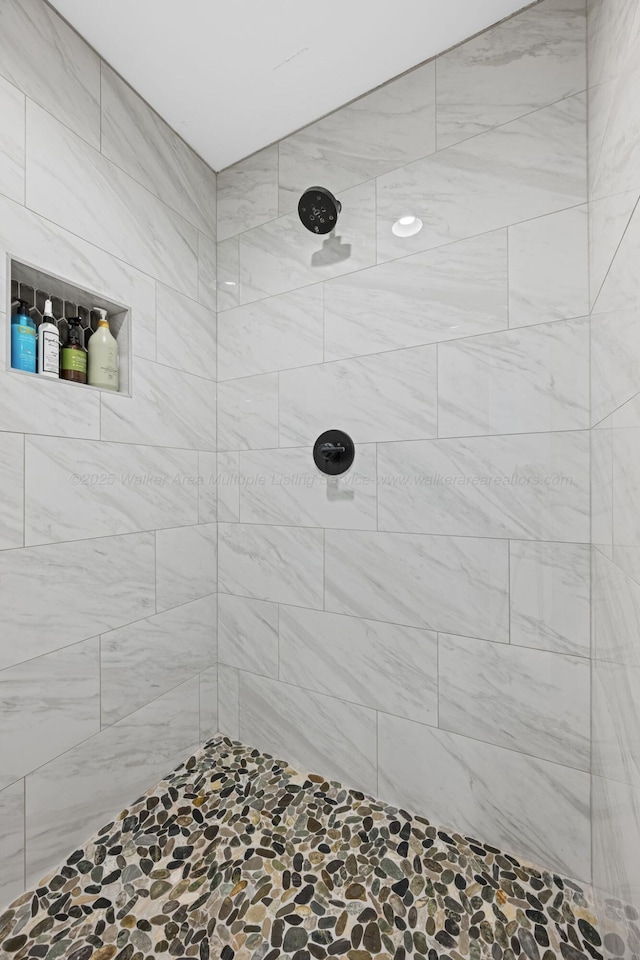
x=48, y=344
x=73, y=365
x=24, y=337
x=103, y=355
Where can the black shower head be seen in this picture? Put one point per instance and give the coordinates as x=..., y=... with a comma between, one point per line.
x=318, y=209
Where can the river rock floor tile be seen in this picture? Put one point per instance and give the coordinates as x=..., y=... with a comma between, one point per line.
x=236, y=856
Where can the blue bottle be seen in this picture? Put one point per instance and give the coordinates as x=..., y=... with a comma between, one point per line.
x=24, y=337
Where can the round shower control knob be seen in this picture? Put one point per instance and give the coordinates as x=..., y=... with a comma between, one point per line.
x=333, y=452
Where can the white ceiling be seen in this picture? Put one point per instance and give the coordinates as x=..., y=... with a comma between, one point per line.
x=232, y=76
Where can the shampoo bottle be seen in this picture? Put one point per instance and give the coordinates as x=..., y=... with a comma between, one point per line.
x=103, y=355
x=23, y=340
x=48, y=344
x=73, y=364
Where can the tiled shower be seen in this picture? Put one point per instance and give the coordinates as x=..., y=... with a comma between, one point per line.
x=453, y=625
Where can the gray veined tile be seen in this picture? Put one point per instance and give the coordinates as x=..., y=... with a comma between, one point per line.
x=388, y=396
x=12, y=153
x=228, y=701
x=207, y=487
x=454, y=291
x=70, y=797
x=602, y=490
x=616, y=722
x=457, y=585
x=64, y=72
x=343, y=148
x=282, y=255
x=139, y=141
x=39, y=620
x=531, y=701
x=609, y=31
x=531, y=486
x=615, y=361
x=228, y=274
x=527, y=62
x=248, y=413
x=548, y=268
x=616, y=835
x=527, y=168
x=550, y=596
x=621, y=287
x=185, y=564
x=609, y=218
x=282, y=564
x=615, y=169
x=273, y=334
x=11, y=490
x=529, y=807
x=248, y=634
x=33, y=405
x=208, y=704
x=517, y=381
x=616, y=612
x=228, y=486
x=47, y=706
x=285, y=487
x=12, y=880
x=79, y=189
x=338, y=738
x=207, y=271
x=101, y=489
x=626, y=488
x=142, y=661
x=248, y=193
x=167, y=408
x=186, y=333
x=379, y=665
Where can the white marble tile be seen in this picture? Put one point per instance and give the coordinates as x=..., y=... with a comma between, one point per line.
x=72, y=796
x=272, y=334
x=283, y=564
x=529, y=486
x=615, y=168
x=388, y=396
x=455, y=291
x=12, y=133
x=186, y=566
x=79, y=189
x=282, y=255
x=626, y=488
x=167, y=408
x=530, y=808
x=248, y=413
x=207, y=271
x=344, y=148
x=524, y=63
x=616, y=722
x=96, y=489
x=47, y=706
x=609, y=27
x=63, y=73
x=286, y=487
x=310, y=731
x=379, y=665
x=615, y=360
x=621, y=287
x=228, y=701
x=228, y=274
x=550, y=596
x=526, y=168
x=12, y=881
x=248, y=634
x=33, y=239
x=208, y=704
x=207, y=487
x=615, y=612
x=616, y=836
x=39, y=621
x=11, y=490
x=139, y=141
x=186, y=333
x=143, y=660
x=602, y=490
x=33, y=405
x=549, y=268
x=248, y=193
x=517, y=381
x=608, y=220
x=531, y=701
x=441, y=583
x=228, y=487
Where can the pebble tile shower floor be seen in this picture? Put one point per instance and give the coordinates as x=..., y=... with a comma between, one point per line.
x=236, y=855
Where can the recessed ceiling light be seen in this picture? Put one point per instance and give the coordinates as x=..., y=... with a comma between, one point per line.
x=407, y=226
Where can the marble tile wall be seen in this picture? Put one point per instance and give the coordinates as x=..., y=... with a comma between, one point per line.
x=108, y=542
x=614, y=182
x=429, y=610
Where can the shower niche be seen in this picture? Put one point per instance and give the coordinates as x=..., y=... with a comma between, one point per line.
x=68, y=300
